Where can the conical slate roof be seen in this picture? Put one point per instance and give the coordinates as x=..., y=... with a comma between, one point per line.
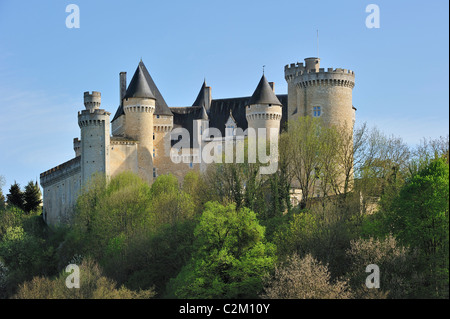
x=161, y=107
x=264, y=94
x=139, y=86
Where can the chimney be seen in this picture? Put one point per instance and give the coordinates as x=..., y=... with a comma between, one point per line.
x=123, y=85
x=272, y=85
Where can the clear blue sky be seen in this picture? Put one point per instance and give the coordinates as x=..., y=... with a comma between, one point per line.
x=401, y=68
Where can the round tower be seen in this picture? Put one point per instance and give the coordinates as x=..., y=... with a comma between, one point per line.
x=264, y=110
x=316, y=92
x=139, y=105
x=95, y=137
x=92, y=100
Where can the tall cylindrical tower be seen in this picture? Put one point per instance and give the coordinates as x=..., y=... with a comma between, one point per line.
x=95, y=137
x=317, y=92
x=139, y=106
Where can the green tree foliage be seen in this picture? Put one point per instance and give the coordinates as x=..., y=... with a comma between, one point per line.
x=229, y=258
x=419, y=217
x=140, y=234
x=15, y=196
x=109, y=213
x=27, y=249
x=169, y=203
x=2, y=197
x=31, y=197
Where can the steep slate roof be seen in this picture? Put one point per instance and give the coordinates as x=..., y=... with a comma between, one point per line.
x=200, y=100
x=264, y=94
x=161, y=105
x=220, y=112
x=139, y=86
x=142, y=75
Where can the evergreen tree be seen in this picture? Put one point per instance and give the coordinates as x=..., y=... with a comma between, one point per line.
x=2, y=197
x=31, y=197
x=15, y=196
x=2, y=200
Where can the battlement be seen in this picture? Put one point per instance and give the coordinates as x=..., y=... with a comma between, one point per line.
x=296, y=69
x=77, y=146
x=139, y=108
x=61, y=171
x=92, y=100
x=304, y=76
x=93, y=117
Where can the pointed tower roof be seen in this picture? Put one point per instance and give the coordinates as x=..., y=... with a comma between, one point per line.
x=139, y=86
x=161, y=107
x=142, y=74
x=200, y=100
x=264, y=94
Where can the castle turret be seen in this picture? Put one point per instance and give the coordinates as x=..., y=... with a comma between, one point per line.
x=317, y=92
x=95, y=137
x=92, y=100
x=139, y=106
x=264, y=110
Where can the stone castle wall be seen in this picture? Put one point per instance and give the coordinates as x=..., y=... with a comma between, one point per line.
x=61, y=185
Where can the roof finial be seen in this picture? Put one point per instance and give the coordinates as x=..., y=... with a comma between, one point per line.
x=263, y=68
x=141, y=59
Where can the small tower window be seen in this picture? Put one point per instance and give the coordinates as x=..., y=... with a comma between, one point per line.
x=316, y=111
x=154, y=152
x=154, y=172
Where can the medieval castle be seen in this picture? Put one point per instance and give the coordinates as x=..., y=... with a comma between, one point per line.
x=140, y=135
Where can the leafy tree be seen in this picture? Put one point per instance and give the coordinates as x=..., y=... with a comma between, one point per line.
x=419, y=218
x=109, y=213
x=194, y=184
x=15, y=196
x=169, y=203
x=230, y=256
x=28, y=250
x=151, y=260
x=31, y=197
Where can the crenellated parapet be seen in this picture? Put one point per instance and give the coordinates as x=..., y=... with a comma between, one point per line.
x=92, y=100
x=96, y=117
x=300, y=75
x=60, y=172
